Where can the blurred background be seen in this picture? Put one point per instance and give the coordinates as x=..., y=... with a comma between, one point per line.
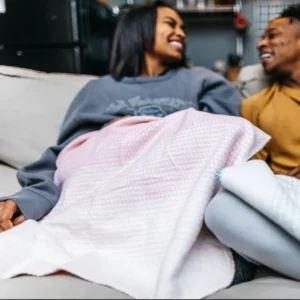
x=75, y=36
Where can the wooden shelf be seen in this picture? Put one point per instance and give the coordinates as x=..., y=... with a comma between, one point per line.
x=220, y=13
x=209, y=9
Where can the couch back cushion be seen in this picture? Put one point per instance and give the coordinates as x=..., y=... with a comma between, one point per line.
x=32, y=108
x=252, y=80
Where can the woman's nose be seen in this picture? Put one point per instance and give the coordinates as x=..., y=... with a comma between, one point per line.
x=180, y=32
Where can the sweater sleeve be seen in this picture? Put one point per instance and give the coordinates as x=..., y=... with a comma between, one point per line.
x=218, y=96
x=39, y=194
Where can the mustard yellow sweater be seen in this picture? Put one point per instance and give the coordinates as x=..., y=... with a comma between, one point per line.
x=276, y=111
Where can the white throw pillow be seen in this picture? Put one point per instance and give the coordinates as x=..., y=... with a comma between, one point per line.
x=252, y=80
x=32, y=108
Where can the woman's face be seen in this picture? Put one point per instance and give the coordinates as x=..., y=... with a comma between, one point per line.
x=170, y=37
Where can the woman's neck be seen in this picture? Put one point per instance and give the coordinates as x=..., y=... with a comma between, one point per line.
x=153, y=67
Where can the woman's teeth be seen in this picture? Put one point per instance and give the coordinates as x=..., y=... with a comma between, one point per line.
x=177, y=44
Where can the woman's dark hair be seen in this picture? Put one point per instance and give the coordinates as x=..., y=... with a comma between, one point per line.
x=134, y=33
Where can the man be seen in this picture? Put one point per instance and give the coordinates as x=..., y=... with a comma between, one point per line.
x=276, y=110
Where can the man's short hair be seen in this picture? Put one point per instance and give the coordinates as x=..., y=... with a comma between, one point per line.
x=292, y=12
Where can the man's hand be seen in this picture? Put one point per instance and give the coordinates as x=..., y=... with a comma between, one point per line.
x=10, y=215
x=293, y=173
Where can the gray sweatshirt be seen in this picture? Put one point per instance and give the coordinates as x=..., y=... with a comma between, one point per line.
x=105, y=99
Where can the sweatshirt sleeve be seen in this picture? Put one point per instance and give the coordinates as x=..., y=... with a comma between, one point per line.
x=217, y=95
x=39, y=194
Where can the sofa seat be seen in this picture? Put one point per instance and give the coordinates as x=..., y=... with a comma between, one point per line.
x=55, y=287
x=69, y=287
x=267, y=287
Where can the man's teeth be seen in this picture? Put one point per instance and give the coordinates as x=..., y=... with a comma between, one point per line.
x=176, y=44
x=266, y=56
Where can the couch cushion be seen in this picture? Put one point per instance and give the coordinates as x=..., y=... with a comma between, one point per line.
x=252, y=80
x=271, y=287
x=8, y=181
x=73, y=79
x=55, y=287
x=32, y=108
x=68, y=287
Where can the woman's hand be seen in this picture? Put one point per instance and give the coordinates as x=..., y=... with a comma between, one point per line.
x=8, y=212
x=117, y=119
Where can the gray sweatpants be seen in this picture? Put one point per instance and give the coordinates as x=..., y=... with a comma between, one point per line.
x=252, y=235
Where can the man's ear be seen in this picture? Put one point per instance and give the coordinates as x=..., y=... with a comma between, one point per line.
x=298, y=41
x=296, y=24
x=298, y=45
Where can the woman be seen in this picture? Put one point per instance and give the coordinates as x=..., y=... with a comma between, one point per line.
x=149, y=76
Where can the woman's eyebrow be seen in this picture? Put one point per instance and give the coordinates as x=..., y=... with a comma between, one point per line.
x=173, y=20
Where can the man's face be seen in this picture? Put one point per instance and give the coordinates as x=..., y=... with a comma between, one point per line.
x=279, y=50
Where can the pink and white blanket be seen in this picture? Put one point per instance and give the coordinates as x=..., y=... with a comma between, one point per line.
x=131, y=211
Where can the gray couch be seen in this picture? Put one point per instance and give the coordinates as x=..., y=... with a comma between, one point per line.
x=32, y=106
